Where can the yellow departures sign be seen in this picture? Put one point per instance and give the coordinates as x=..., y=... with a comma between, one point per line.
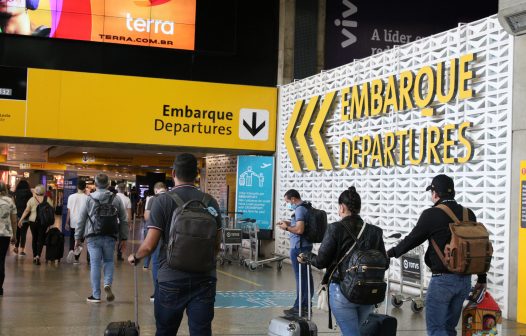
x=315, y=133
x=407, y=90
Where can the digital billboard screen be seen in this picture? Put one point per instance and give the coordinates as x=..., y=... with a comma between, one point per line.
x=154, y=23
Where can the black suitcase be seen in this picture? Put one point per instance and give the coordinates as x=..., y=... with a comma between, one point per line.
x=54, y=244
x=127, y=328
x=379, y=325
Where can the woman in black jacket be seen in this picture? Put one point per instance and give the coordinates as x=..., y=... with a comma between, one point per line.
x=22, y=195
x=336, y=242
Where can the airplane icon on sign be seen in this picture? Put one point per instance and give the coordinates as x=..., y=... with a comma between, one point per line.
x=265, y=165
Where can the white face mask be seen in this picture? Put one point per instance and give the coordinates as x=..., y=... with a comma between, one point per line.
x=290, y=206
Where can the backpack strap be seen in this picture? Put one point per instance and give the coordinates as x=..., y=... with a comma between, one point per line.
x=177, y=199
x=465, y=215
x=206, y=199
x=450, y=213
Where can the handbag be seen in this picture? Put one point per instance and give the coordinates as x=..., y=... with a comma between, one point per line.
x=323, y=298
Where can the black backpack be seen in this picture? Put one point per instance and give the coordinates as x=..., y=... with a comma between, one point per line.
x=363, y=280
x=105, y=219
x=192, y=238
x=45, y=213
x=315, y=224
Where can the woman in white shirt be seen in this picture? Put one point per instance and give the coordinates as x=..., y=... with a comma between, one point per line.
x=37, y=231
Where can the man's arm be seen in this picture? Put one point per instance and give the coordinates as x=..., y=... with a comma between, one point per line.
x=416, y=237
x=67, y=220
x=81, y=226
x=298, y=229
x=148, y=245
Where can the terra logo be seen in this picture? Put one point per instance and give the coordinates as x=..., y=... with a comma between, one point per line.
x=150, y=3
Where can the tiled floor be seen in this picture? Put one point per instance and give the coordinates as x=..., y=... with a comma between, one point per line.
x=51, y=300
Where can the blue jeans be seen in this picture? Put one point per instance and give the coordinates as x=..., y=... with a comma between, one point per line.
x=155, y=266
x=349, y=316
x=101, y=249
x=195, y=295
x=294, y=253
x=444, y=300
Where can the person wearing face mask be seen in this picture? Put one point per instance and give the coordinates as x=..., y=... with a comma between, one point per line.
x=447, y=291
x=338, y=239
x=295, y=227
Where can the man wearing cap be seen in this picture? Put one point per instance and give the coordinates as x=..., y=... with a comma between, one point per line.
x=447, y=291
x=101, y=247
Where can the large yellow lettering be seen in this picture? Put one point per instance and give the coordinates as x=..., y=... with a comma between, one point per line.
x=366, y=150
x=406, y=85
x=360, y=101
x=465, y=141
x=391, y=95
x=434, y=136
x=401, y=136
x=354, y=152
x=377, y=152
x=420, y=100
x=465, y=75
x=421, y=146
x=345, y=116
x=390, y=144
x=377, y=96
x=448, y=143
x=345, y=153
x=452, y=82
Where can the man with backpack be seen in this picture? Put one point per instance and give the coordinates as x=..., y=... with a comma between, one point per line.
x=186, y=278
x=298, y=245
x=102, y=222
x=448, y=287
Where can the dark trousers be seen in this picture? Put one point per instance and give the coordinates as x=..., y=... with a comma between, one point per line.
x=21, y=234
x=39, y=237
x=4, y=246
x=195, y=295
x=294, y=253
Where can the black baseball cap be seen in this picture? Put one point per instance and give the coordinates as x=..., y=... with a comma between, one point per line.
x=442, y=183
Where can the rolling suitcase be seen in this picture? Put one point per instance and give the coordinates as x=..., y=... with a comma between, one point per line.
x=54, y=244
x=127, y=328
x=380, y=324
x=295, y=325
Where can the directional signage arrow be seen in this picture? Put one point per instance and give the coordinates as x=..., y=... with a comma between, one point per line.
x=315, y=133
x=254, y=129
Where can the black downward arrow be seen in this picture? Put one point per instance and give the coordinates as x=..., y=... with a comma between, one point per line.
x=254, y=130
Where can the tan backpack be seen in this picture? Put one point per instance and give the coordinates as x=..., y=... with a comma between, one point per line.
x=470, y=250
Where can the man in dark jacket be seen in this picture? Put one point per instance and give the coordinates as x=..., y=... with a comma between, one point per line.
x=447, y=291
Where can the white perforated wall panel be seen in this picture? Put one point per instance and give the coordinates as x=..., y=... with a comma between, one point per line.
x=394, y=197
x=217, y=167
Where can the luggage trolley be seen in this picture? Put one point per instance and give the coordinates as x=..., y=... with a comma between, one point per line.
x=412, y=275
x=250, y=242
x=230, y=241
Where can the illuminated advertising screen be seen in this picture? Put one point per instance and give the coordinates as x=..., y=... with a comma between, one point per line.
x=154, y=23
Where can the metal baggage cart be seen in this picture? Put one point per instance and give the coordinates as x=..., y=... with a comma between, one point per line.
x=411, y=275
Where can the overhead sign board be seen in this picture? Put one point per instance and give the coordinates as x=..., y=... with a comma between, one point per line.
x=122, y=109
x=155, y=23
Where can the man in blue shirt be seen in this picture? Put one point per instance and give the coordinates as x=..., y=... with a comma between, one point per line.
x=298, y=245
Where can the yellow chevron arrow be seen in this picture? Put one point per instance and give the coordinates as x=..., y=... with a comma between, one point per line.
x=316, y=130
x=302, y=141
x=288, y=136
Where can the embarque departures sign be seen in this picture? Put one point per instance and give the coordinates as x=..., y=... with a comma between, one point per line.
x=431, y=84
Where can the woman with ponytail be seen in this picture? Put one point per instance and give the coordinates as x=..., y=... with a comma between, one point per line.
x=335, y=245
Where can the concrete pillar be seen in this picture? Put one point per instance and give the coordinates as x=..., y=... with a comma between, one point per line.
x=286, y=42
x=518, y=154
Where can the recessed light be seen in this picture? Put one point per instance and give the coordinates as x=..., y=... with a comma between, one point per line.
x=25, y=153
x=159, y=153
x=12, y=147
x=84, y=152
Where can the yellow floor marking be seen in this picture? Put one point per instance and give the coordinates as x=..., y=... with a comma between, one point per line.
x=238, y=278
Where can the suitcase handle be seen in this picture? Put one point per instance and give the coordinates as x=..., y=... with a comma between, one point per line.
x=136, y=289
x=309, y=296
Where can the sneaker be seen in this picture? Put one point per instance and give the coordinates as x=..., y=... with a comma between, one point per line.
x=295, y=312
x=152, y=298
x=22, y=254
x=15, y=250
x=144, y=268
x=1, y=291
x=93, y=299
x=76, y=262
x=109, y=294
x=37, y=261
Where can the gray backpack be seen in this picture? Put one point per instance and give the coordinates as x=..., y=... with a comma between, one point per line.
x=192, y=238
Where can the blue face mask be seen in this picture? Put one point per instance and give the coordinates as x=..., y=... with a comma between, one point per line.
x=291, y=206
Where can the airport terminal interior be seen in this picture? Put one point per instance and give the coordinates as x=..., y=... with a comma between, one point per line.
x=382, y=109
